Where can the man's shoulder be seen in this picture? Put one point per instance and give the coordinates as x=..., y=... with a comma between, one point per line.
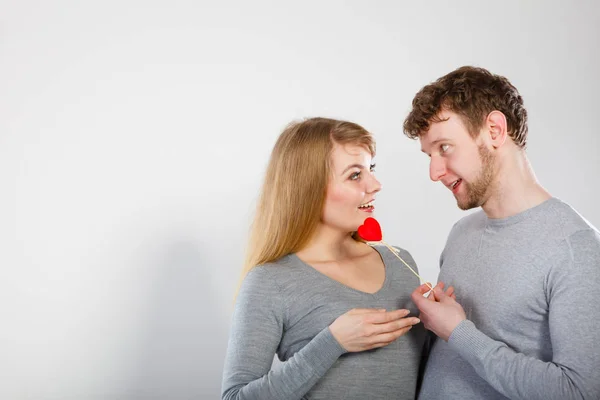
x=566, y=219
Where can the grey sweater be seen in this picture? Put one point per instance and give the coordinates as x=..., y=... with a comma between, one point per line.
x=286, y=308
x=529, y=286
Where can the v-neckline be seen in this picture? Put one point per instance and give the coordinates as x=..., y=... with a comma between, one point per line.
x=342, y=285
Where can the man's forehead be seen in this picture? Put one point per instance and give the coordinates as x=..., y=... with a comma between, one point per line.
x=432, y=135
x=445, y=123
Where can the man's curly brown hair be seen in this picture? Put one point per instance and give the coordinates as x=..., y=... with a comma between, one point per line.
x=472, y=93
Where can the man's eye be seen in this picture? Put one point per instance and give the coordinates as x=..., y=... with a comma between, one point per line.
x=444, y=147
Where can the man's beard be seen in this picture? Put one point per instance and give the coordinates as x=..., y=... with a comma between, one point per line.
x=477, y=190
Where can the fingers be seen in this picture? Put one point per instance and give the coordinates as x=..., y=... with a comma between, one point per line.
x=450, y=292
x=417, y=294
x=385, y=317
x=386, y=338
x=438, y=292
x=360, y=311
x=395, y=325
x=444, y=297
x=421, y=290
x=431, y=295
x=423, y=304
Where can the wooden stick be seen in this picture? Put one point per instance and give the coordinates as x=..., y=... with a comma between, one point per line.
x=408, y=266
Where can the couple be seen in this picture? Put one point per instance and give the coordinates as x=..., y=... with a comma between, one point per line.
x=516, y=317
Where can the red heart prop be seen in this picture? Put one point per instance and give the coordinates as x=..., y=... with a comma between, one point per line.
x=370, y=230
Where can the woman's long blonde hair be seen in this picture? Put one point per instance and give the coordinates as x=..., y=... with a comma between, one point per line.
x=295, y=185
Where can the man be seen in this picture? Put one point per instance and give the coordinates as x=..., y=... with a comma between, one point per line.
x=526, y=267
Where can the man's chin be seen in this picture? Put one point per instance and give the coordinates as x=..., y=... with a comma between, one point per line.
x=465, y=207
x=466, y=204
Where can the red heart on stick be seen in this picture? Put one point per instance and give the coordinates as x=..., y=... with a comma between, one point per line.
x=370, y=230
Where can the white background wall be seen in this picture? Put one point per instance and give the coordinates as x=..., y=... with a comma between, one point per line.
x=134, y=135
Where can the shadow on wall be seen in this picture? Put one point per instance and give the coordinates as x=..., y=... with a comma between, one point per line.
x=181, y=344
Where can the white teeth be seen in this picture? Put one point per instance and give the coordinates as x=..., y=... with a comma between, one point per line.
x=369, y=204
x=455, y=183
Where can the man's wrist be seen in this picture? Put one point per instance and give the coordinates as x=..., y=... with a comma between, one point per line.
x=453, y=329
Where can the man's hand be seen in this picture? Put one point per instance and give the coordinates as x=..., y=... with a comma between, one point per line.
x=440, y=313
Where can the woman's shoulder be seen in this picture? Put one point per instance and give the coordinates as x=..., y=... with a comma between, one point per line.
x=278, y=273
x=277, y=267
x=392, y=252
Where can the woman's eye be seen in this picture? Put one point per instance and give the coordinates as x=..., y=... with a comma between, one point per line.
x=355, y=176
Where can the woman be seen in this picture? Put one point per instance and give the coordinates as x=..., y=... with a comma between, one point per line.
x=315, y=295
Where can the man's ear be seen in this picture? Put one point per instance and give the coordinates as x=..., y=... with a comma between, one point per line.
x=496, y=128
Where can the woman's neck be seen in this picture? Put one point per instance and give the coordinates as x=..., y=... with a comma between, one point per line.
x=328, y=244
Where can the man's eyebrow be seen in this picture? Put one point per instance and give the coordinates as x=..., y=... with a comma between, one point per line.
x=433, y=143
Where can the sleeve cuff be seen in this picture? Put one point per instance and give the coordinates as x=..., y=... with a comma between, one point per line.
x=328, y=344
x=472, y=344
x=325, y=349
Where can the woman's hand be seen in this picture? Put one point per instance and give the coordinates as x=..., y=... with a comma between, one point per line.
x=366, y=328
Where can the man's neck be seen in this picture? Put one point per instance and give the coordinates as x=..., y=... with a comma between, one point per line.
x=515, y=188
